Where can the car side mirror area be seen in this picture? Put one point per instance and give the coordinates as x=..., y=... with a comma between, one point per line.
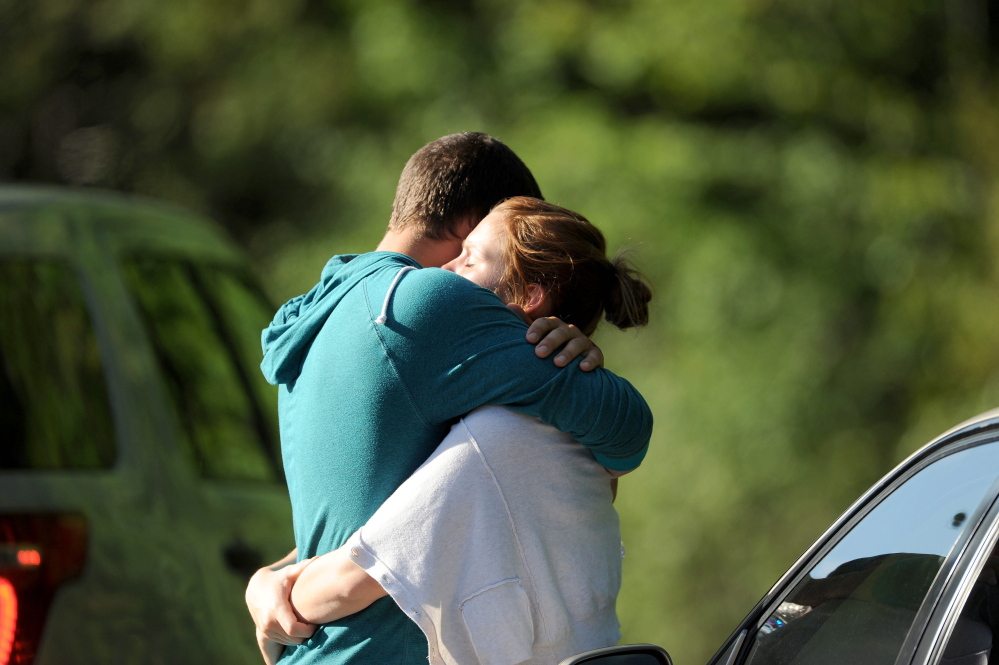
x=627, y=654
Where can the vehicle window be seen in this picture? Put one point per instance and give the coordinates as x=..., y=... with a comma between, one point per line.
x=245, y=312
x=54, y=409
x=858, y=603
x=973, y=635
x=224, y=430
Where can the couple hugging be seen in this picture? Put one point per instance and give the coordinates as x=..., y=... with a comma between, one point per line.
x=443, y=506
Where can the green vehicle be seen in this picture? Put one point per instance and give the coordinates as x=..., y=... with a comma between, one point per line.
x=140, y=474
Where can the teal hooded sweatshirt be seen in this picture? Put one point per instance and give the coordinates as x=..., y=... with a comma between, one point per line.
x=374, y=365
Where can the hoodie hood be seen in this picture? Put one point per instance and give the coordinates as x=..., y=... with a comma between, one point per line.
x=297, y=322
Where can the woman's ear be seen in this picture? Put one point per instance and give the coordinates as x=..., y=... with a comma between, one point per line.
x=537, y=304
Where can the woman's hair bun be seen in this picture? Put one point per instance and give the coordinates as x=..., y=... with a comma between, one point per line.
x=627, y=303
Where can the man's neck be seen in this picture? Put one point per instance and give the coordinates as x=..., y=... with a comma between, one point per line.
x=401, y=242
x=429, y=253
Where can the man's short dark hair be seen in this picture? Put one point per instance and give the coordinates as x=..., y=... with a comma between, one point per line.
x=454, y=178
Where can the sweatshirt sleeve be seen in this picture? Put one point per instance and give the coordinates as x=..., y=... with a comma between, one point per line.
x=456, y=347
x=445, y=548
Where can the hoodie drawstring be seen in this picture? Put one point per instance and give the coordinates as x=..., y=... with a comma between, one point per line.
x=383, y=317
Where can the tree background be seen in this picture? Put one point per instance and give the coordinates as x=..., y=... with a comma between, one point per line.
x=809, y=184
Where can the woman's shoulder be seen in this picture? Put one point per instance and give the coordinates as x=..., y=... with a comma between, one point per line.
x=525, y=455
x=489, y=424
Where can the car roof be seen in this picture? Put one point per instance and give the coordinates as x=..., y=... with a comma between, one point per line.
x=983, y=421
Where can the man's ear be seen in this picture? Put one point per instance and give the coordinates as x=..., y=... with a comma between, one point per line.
x=538, y=304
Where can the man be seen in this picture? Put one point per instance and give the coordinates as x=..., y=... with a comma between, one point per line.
x=377, y=361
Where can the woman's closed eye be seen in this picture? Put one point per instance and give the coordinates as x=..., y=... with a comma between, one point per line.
x=470, y=257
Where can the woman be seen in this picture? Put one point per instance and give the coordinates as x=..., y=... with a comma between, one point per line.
x=504, y=546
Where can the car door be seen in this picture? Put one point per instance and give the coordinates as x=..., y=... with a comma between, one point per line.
x=86, y=485
x=902, y=578
x=204, y=317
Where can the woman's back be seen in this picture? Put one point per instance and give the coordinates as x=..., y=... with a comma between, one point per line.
x=526, y=568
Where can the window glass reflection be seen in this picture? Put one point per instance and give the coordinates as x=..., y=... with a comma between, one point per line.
x=245, y=312
x=857, y=604
x=224, y=431
x=971, y=641
x=54, y=408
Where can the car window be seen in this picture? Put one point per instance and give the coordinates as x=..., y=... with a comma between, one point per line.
x=245, y=312
x=857, y=604
x=970, y=642
x=201, y=351
x=54, y=408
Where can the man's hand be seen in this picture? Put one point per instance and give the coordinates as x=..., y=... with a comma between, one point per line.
x=268, y=597
x=553, y=333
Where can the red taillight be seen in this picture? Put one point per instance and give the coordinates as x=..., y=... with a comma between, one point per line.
x=38, y=553
x=8, y=619
x=29, y=558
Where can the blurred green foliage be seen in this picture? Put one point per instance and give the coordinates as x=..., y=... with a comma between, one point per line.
x=811, y=186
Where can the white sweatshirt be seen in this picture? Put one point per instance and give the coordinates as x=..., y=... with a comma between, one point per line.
x=503, y=547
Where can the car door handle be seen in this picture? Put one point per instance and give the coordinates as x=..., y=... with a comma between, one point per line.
x=242, y=559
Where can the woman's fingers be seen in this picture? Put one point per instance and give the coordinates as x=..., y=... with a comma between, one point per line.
x=269, y=649
x=268, y=599
x=287, y=629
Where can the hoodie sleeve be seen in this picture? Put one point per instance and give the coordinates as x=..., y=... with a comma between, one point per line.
x=457, y=347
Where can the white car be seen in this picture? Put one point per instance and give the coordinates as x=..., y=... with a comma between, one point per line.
x=140, y=479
